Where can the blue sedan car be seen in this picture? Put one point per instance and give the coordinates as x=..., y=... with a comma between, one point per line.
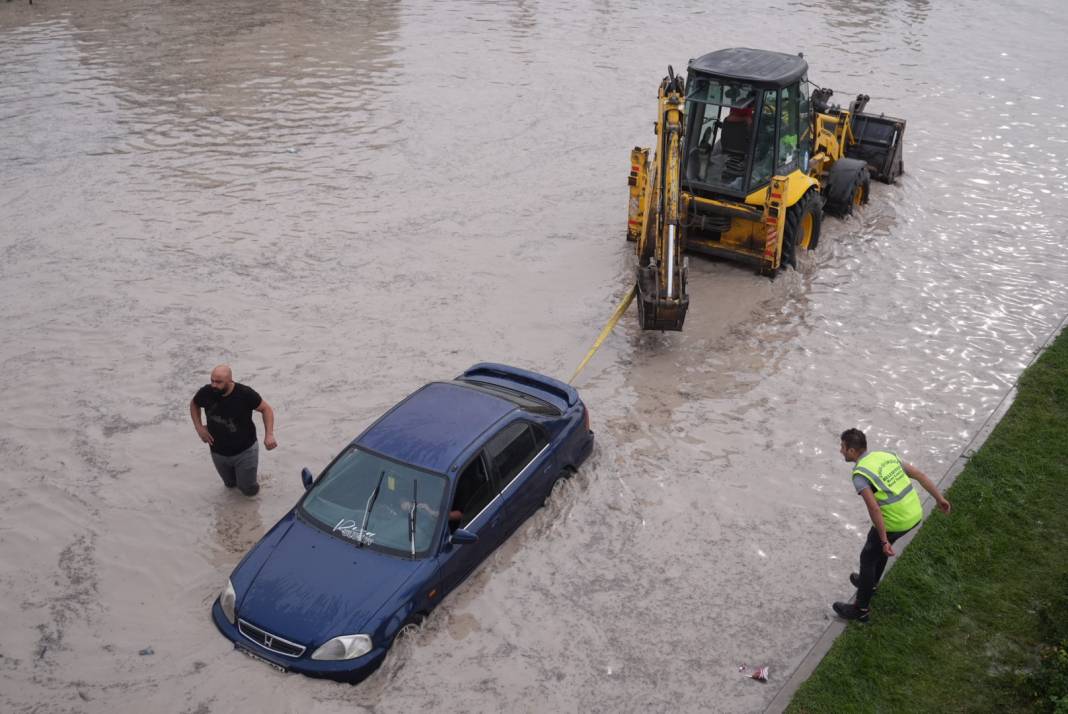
x=400, y=517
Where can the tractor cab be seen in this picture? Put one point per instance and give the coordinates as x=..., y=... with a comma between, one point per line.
x=747, y=119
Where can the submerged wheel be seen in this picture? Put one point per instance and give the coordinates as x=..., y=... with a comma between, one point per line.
x=557, y=484
x=848, y=184
x=408, y=630
x=860, y=190
x=411, y=626
x=802, y=231
x=399, y=646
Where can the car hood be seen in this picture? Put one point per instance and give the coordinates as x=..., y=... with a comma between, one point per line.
x=313, y=586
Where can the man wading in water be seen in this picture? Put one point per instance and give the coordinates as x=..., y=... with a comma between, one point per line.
x=882, y=480
x=230, y=432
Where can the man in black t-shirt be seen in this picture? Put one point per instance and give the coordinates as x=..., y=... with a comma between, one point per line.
x=230, y=432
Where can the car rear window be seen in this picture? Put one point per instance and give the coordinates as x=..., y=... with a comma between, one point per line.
x=522, y=400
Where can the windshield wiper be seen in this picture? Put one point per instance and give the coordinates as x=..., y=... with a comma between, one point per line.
x=370, y=504
x=411, y=515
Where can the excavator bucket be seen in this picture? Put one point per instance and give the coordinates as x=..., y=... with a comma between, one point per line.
x=879, y=140
x=656, y=311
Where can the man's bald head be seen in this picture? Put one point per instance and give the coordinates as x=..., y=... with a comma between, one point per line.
x=222, y=379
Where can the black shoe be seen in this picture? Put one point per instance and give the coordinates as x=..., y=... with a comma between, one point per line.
x=849, y=611
x=854, y=580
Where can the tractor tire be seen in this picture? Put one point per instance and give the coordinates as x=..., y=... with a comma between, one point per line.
x=861, y=191
x=802, y=230
x=848, y=185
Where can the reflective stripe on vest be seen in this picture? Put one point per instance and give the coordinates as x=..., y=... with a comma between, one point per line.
x=898, y=501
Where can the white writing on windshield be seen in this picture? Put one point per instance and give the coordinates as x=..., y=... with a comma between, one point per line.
x=354, y=531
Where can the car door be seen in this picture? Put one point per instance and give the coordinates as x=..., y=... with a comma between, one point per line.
x=477, y=498
x=523, y=465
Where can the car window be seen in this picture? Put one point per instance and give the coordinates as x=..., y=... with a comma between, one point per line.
x=540, y=439
x=512, y=450
x=341, y=502
x=474, y=491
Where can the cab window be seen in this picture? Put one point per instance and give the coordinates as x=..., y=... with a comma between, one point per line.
x=720, y=133
x=514, y=448
x=788, y=160
x=804, y=119
x=764, y=156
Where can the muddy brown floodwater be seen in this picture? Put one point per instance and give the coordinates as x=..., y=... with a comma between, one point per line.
x=346, y=200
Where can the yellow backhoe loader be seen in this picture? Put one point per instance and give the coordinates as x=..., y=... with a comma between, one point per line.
x=749, y=154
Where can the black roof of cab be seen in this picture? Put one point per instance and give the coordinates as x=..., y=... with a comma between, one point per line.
x=760, y=67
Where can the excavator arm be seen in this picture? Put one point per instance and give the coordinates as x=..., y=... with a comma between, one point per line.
x=655, y=207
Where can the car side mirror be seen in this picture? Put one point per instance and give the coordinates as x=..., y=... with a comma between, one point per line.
x=306, y=478
x=462, y=537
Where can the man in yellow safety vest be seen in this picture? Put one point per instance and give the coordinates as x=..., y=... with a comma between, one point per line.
x=882, y=480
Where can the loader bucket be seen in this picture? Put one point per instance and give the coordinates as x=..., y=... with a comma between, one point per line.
x=879, y=141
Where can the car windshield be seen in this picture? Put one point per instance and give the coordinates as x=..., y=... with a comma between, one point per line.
x=341, y=502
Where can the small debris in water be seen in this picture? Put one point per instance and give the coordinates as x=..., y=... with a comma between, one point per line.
x=760, y=674
x=147, y=651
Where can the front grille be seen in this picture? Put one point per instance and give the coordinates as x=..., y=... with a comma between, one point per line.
x=267, y=641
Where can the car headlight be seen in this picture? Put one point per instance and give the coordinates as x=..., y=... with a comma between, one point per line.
x=344, y=647
x=227, y=601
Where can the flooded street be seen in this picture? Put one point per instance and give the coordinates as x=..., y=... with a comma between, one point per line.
x=347, y=200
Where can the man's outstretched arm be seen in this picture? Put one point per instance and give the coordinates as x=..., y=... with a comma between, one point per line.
x=928, y=485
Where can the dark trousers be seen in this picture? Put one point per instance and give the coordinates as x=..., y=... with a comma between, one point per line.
x=872, y=564
x=240, y=469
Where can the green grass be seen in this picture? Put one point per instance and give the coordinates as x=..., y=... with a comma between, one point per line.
x=964, y=622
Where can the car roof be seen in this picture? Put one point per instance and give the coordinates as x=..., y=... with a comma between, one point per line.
x=760, y=67
x=434, y=425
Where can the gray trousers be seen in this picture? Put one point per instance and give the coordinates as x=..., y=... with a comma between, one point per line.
x=240, y=469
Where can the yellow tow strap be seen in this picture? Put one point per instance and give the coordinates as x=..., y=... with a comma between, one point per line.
x=620, y=309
